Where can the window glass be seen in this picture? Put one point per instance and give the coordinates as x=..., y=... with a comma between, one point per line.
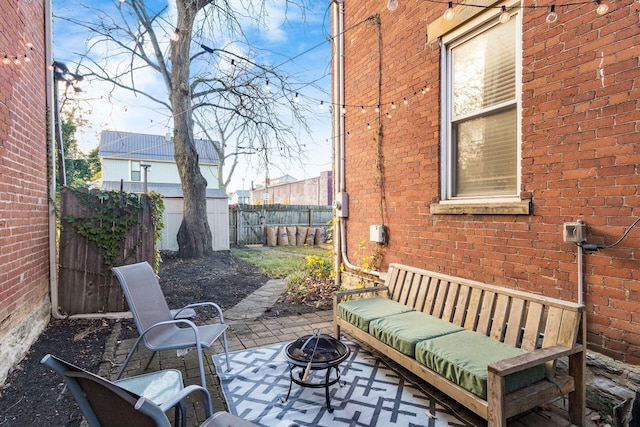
x=482, y=137
x=135, y=171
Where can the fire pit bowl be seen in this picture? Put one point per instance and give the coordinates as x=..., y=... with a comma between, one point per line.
x=313, y=353
x=328, y=351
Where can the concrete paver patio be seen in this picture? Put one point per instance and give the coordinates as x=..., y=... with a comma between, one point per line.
x=247, y=331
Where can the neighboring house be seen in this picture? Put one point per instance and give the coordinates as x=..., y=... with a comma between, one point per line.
x=289, y=191
x=27, y=220
x=125, y=156
x=473, y=141
x=240, y=197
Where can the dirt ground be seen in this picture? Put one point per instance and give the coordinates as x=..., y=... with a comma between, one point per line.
x=31, y=394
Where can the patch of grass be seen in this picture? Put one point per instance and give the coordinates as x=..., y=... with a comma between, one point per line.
x=280, y=261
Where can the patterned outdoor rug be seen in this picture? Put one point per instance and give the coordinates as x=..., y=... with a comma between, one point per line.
x=369, y=393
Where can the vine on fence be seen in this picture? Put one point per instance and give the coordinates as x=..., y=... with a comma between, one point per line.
x=113, y=216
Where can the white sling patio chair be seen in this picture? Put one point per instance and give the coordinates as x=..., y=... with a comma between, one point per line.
x=158, y=329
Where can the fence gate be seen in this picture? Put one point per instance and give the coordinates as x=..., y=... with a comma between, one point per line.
x=247, y=223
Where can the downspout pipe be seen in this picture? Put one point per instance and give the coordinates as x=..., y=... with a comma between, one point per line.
x=339, y=131
x=52, y=105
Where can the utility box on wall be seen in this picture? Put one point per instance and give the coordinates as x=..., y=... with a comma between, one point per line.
x=574, y=232
x=341, y=205
x=377, y=233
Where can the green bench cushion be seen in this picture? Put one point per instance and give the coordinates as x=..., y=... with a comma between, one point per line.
x=403, y=331
x=362, y=311
x=462, y=357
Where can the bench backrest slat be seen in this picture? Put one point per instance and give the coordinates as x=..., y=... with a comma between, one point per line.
x=486, y=312
x=498, y=327
x=462, y=305
x=532, y=326
x=450, y=303
x=473, y=309
x=514, y=317
x=441, y=295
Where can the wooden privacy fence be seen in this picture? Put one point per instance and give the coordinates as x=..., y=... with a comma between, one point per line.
x=100, y=231
x=248, y=224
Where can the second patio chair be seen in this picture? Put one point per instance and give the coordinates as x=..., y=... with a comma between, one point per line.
x=106, y=404
x=157, y=328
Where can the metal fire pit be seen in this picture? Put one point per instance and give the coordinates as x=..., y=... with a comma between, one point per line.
x=315, y=352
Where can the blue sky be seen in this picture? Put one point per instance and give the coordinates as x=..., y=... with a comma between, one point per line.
x=282, y=38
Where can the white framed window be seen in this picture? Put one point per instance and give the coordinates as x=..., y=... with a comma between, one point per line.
x=481, y=111
x=135, y=171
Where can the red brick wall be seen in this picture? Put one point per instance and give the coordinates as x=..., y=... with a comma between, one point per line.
x=580, y=159
x=24, y=244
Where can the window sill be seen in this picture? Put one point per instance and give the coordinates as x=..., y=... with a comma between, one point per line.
x=515, y=208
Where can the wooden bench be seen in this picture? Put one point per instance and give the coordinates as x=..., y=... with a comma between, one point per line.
x=545, y=329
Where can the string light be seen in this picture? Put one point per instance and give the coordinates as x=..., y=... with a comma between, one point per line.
x=344, y=110
x=450, y=13
x=378, y=109
x=321, y=106
x=16, y=61
x=267, y=87
x=393, y=105
x=363, y=110
x=504, y=16
x=392, y=5
x=296, y=98
x=552, y=16
x=175, y=36
x=602, y=8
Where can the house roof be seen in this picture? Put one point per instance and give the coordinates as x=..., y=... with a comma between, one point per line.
x=166, y=190
x=138, y=146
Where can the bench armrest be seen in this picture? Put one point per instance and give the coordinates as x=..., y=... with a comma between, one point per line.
x=505, y=367
x=339, y=296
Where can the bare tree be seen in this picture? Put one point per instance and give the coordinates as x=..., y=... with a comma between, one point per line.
x=216, y=90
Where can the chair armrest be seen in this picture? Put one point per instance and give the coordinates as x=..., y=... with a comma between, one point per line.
x=189, y=323
x=204, y=304
x=338, y=296
x=184, y=393
x=505, y=367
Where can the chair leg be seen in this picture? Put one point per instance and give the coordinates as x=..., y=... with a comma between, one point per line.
x=126, y=361
x=149, y=361
x=226, y=351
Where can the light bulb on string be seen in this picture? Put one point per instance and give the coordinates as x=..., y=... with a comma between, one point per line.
x=504, y=16
x=296, y=98
x=321, y=106
x=393, y=105
x=378, y=109
x=449, y=14
x=363, y=110
x=26, y=58
x=602, y=8
x=369, y=126
x=552, y=16
x=388, y=115
x=405, y=101
x=175, y=36
x=267, y=86
x=344, y=110
x=16, y=61
x=392, y=5
x=6, y=60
